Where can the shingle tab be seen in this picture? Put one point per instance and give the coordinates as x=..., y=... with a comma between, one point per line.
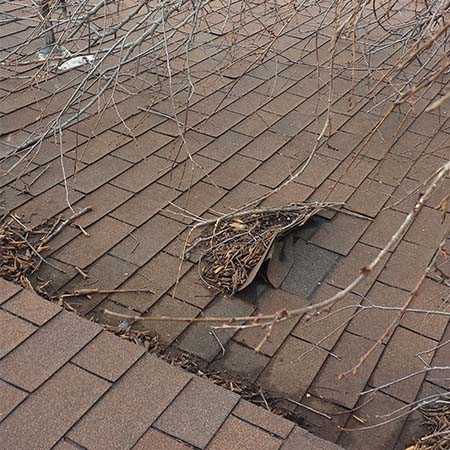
x=197, y=413
x=41, y=420
x=31, y=364
x=120, y=418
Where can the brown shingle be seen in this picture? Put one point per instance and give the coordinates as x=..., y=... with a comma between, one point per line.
x=372, y=323
x=103, y=200
x=219, y=122
x=340, y=234
x=106, y=273
x=339, y=145
x=370, y=197
x=406, y=265
x=225, y=146
x=186, y=174
x=47, y=350
x=240, y=195
x=198, y=339
x=325, y=329
x=405, y=196
x=383, y=227
x=273, y=171
x=236, y=434
x=291, y=193
x=45, y=416
x=230, y=173
x=84, y=250
x=271, y=302
x=151, y=237
x=155, y=440
x=46, y=205
x=428, y=229
x=98, y=146
x=100, y=172
x=264, y=146
x=144, y=146
x=292, y=370
x=317, y=171
x=13, y=331
x=262, y=418
x=373, y=413
x=345, y=391
x=54, y=278
x=354, y=170
x=154, y=197
x=441, y=358
x=7, y=290
x=283, y=103
x=178, y=150
x=108, y=356
x=331, y=191
x=256, y=123
x=192, y=290
x=425, y=166
x=431, y=296
x=120, y=418
x=196, y=200
x=142, y=174
x=65, y=445
x=159, y=274
x=170, y=307
x=293, y=124
x=301, y=439
x=241, y=361
x=197, y=413
x=326, y=426
x=400, y=359
x=350, y=267
x=249, y=103
x=28, y=305
x=391, y=169
x=11, y=397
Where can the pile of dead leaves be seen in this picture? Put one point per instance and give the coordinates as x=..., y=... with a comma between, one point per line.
x=19, y=251
x=21, y=247
x=233, y=248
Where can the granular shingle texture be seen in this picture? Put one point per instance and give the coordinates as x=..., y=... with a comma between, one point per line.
x=113, y=395
x=238, y=110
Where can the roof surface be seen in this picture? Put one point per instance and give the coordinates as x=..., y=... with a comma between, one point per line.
x=247, y=131
x=67, y=384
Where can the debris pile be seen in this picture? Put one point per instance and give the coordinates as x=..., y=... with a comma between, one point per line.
x=234, y=247
x=20, y=249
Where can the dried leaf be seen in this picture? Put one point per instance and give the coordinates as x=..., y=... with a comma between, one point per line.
x=238, y=226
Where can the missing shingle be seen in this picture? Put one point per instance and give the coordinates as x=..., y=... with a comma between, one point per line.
x=294, y=264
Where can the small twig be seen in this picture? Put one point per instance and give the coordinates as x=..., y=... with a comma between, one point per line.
x=28, y=185
x=85, y=292
x=27, y=229
x=83, y=274
x=309, y=408
x=136, y=242
x=42, y=259
x=63, y=224
x=266, y=404
x=83, y=230
x=214, y=335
